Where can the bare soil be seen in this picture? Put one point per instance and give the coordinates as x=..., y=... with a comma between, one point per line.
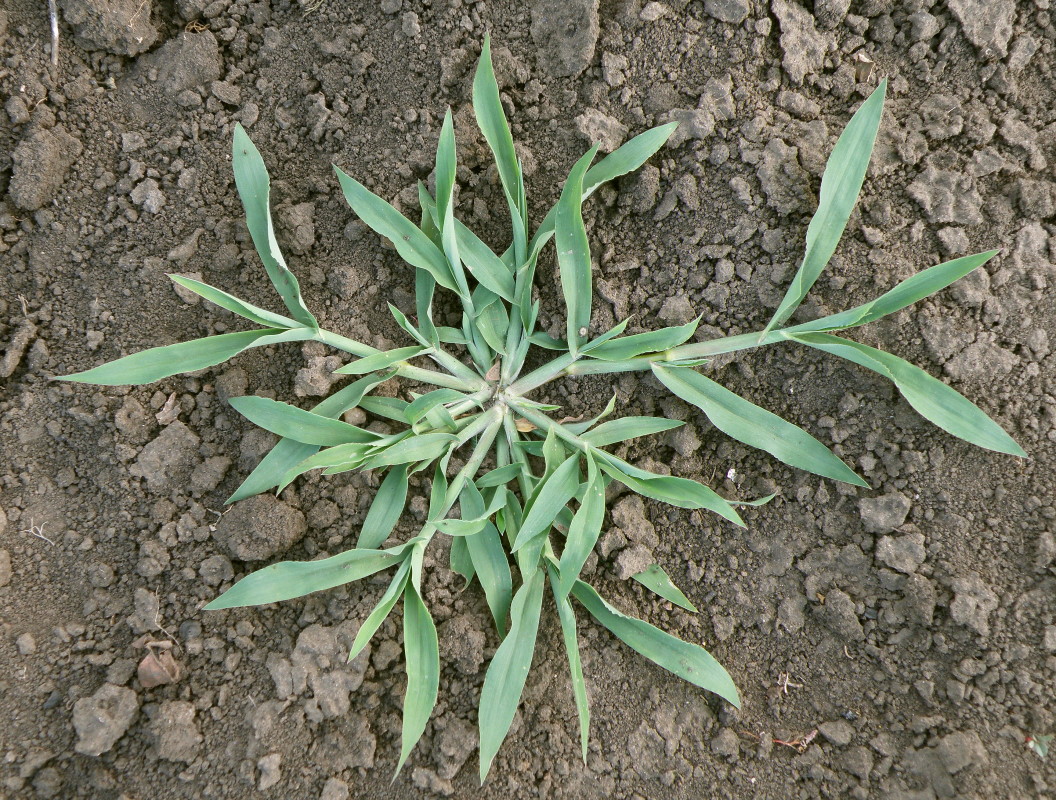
x=892, y=643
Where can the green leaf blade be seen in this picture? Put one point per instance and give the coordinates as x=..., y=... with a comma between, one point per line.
x=688, y=661
x=508, y=671
x=295, y=423
x=233, y=304
x=289, y=579
x=906, y=293
x=423, y=670
x=840, y=184
x=385, y=509
x=413, y=246
x=640, y=343
x=620, y=430
x=755, y=426
x=551, y=497
x=573, y=254
x=930, y=397
x=148, y=366
x=657, y=581
x=254, y=188
x=567, y=616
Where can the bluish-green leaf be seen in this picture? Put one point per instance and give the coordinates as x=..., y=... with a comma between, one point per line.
x=413, y=246
x=289, y=579
x=499, y=476
x=423, y=670
x=415, y=448
x=233, y=304
x=688, y=661
x=388, y=407
x=626, y=158
x=254, y=187
x=583, y=532
x=651, y=342
x=573, y=254
x=680, y=492
x=840, y=184
x=567, y=616
x=658, y=582
x=493, y=572
x=931, y=398
x=504, y=681
x=620, y=430
x=156, y=363
x=288, y=453
x=755, y=426
x=381, y=610
x=420, y=406
x=380, y=361
x=551, y=496
x=483, y=264
x=917, y=287
x=492, y=122
x=297, y=424
x=385, y=509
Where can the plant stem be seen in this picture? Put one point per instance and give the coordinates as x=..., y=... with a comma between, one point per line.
x=462, y=378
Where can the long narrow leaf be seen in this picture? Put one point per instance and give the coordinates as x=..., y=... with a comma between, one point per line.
x=573, y=254
x=651, y=342
x=416, y=448
x=379, y=361
x=156, y=363
x=254, y=187
x=680, y=492
x=620, y=430
x=567, y=616
x=233, y=304
x=493, y=572
x=917, y=287
x=483, y=264
x=423, y=670
x=840, y=185
x=288, y=453
x=583, y=532
x=289, y=579
x=491, y=120
x=550, y=498
x=381, y=610
x=931, y=398
x=413, y=246
x=657, y=581
x=385, y=509
x=755, y=426
x=504, y=681
x=688, y=661
x=297, y=424
x=626, y=158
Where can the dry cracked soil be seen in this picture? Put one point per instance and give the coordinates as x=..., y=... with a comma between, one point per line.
x=897, y=642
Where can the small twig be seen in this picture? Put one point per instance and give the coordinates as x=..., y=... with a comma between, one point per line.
x=53, y=16
x=784, y=683
x=38, y=531
x=162, y=628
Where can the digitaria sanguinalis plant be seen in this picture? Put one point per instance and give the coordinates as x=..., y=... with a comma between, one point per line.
x=530, y=489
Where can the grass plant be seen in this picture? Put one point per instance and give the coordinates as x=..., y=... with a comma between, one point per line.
x=526, y=503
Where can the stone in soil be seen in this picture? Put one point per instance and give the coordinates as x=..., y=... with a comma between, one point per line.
x=169, y=460
x=885, y=513
x=733, y=11
x=190, y=61
x=176, y=737
x=904, y=553
x=565, y=33
x=601, y=129
x=973, y=601
x=259, y=527
x=121, y=27
x=803, y=45
x=986, y=23
x=41, y=162
x=103, y=718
